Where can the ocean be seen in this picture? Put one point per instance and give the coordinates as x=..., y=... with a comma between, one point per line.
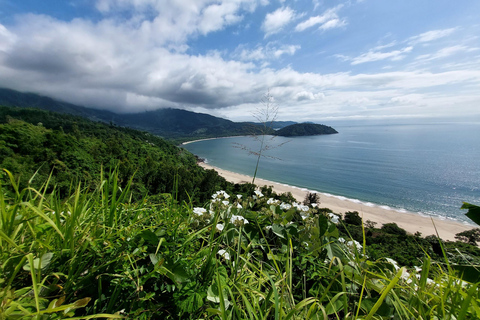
x=427, y=168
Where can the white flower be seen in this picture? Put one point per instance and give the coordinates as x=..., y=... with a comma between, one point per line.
x=304, y=215
x=268, y=227
x=272, y=201
x=406, y=275
x=354, y=244
x=199, y=211
x=341, y=240
x=219, y=227
x=239, y=196
x=259, y=193
x=225, y=202
x=333, y=217
x=300, y=207
x=394, y=263
x=239, y=206
x=224, y=254
x=314, y=205
x=220, y=193
x=285, y=206
x=238, y=220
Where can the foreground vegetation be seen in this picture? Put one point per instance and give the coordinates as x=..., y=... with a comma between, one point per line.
x=99, y=254
x=98, y=221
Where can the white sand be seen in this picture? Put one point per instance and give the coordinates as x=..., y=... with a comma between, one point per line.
x=411, y=222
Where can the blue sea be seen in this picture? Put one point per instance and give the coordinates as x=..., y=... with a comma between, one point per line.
x=429, y=168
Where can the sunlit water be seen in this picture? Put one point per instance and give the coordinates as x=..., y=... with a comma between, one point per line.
x=429, y=168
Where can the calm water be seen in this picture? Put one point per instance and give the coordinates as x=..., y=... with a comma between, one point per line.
x=426, y=168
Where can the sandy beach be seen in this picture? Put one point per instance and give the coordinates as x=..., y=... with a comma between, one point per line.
x=411, y=222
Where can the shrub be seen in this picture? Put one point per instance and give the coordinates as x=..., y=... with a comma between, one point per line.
x=393, y=228
x=352, y=217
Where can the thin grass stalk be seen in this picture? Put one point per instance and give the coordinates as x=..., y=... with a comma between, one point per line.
x=384, y=294
x=223, y=313
x=277, y=300
x=34, y=282
x=361, y=296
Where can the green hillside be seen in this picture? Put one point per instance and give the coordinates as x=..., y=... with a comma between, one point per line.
x=35, y=143
x=172, y=124
x=305, y=129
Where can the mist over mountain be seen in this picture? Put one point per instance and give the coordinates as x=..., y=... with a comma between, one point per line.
x=168, y=123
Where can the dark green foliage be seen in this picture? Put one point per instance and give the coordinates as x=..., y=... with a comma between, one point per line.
x=305, y=129
x=393, y=228
x=410, y=250
x=74, y=149
x=473, y=212
x=352, y=217
x=469, y=236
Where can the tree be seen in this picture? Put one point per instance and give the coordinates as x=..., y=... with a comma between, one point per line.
x=352, y=217
x=393, y=228
x=469, y=236
x=311, y=197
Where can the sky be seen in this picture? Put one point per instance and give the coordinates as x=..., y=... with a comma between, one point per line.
x=320, y=60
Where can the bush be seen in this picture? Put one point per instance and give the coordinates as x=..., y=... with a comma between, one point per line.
x=352, y=217
x=311, y=198
x=393, y=228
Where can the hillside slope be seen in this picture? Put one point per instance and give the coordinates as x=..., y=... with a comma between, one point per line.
x=36, y=143
x=171, y=124
x=305, y=129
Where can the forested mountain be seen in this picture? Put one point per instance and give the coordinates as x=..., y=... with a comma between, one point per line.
x=171, y=124
x=305, y=129
x=35, y=143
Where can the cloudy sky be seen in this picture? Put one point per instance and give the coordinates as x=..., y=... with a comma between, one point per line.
x=320, y=60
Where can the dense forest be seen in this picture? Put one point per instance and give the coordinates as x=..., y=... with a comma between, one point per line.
x=36, y=143
x=102, y=221
x=305, y=129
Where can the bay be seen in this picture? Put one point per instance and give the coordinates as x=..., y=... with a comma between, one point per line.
x=427, y=168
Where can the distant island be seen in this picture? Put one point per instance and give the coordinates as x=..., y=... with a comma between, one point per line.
x=305, y=129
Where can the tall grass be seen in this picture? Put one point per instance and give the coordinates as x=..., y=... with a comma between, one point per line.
x=97, y=254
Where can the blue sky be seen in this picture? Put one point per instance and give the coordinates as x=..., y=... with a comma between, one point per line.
x=321, y=60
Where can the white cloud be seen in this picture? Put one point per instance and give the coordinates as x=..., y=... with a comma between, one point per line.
x=446, y=52
x=271, y=51
x=328, y=20
x=431, y=35
x=6, y=38
x=307, y=95
x=377, y=55
x=274, y=22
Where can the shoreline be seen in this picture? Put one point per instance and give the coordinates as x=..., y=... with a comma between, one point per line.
x=411, y=222
x=205, y=139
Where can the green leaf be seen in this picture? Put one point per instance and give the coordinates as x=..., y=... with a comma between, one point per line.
x=190, y=298
x=468, y=273
x=150, y=237
x=473, y=212
x=322, y=225
x=40, y=263
x=278, y=230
